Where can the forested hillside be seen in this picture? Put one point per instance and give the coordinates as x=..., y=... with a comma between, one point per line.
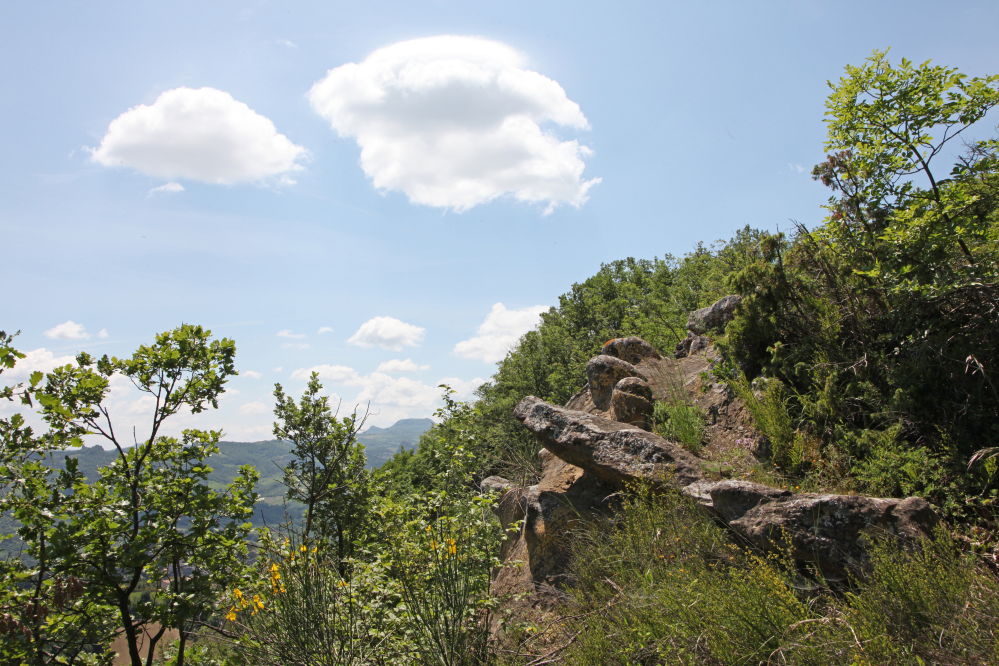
x=861, y=351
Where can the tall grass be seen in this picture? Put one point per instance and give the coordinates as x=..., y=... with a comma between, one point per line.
x=666, y=585
x=675, y=416
x=788, y=447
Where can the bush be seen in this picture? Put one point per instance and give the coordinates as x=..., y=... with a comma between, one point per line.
x=666, y=585
x=680, y=422
x=415, y=590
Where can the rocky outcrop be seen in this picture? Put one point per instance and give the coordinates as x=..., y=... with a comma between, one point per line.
x=545, y=516
x=632, y=403
x=595, y=447
x=714, y=316
x=602, y=375
x=632, y=349
x=691, y=345
x=616, y=453
x=825, y=530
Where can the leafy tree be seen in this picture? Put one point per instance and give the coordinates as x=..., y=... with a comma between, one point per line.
x=882, y=320
x=150, y=515
x=45, y=615
x=327, y=475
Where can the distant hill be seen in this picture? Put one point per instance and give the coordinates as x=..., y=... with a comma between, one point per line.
x=268, y=457
x=380, y=444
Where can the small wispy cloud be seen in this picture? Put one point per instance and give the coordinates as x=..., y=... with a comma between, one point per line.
x=253, y=408
x=326, y=329
x=169, y=188
x=252, y=374
x=796, y=167
x=286, y=333
x=103, y=333
x=287, y=42
x=292, y=345
x=277, y=369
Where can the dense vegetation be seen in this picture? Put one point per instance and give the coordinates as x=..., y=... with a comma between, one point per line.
x=863, y=348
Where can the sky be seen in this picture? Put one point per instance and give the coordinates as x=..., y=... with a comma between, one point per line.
x=389, y=193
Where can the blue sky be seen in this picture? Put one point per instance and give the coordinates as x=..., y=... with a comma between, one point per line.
x=498, y=167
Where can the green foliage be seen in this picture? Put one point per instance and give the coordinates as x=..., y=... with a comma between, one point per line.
x=881, y=323
x=769, y=409
x=647, y=298
x=414, y=591
x=327, y=473
x=448, y=549
x=305, y=605
x=680, y=422
x=665, y=585
x=149, y=515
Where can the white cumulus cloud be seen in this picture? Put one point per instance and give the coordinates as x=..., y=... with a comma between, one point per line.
x=103, y=333
x=169, y=188
x=396, y=366
x=67, y=331
x=325, y=329
x=286, y=333
x=463, y=390
x=500, y=332
x=253, y=374
x=389, y=398
x=201, y=134
x=253, y=408
x=454, y=122
x=388, y=333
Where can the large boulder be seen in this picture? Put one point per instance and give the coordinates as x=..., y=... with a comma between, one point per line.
x=632, y=403
x=602, y=375
x=715, y=315
x=614, y=452
x=563, y=501
x=827, y=531
x=632, y=349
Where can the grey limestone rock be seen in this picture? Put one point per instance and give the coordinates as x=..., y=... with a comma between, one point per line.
x=609, y=450
x=826, y=530
x=715, y=315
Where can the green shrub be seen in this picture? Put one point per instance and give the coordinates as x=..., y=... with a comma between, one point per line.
x=666, y=585
x=680, y=422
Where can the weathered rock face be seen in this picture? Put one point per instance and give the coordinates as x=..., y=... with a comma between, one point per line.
x=715, y=315
x=564, y=500
x=593, y=448
x=614, y=452
x=825, y=530
x=632, y=403
x=631, y=349
x=602, y=375
x=691, y=345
